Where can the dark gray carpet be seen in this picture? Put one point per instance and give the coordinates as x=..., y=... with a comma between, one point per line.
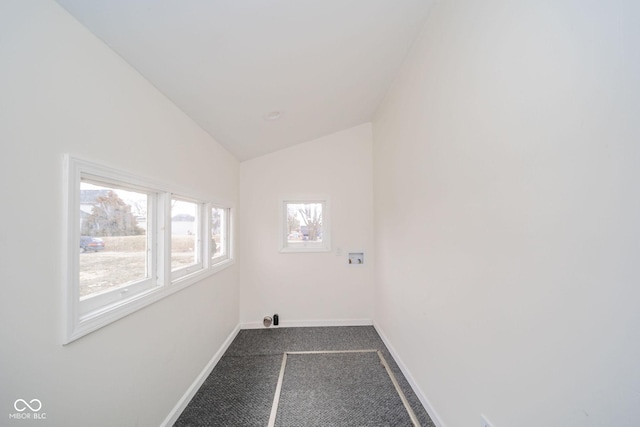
x=339, y=390
x=239, y=391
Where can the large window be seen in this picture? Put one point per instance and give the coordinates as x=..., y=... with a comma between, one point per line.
x=305, y=226
x=131, y=242
x=113, y=261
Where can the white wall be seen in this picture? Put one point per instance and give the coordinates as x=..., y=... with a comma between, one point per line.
x=507, y=190
x=308, y=288
x=63, y=91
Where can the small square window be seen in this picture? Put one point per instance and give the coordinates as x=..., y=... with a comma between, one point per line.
x=306, y=226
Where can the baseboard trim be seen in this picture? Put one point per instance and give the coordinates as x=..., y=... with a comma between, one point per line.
x=407, y=374
x=191, y=391
x=310, y=323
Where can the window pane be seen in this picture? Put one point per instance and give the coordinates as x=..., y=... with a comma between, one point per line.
x=113, y=237
x=218, y=232
x=304, y=222
x=184, y=234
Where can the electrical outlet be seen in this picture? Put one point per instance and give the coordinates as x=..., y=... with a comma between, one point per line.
x=484, y=422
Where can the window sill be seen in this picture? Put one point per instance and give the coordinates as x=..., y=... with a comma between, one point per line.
x=104, y=316
x=303, y=250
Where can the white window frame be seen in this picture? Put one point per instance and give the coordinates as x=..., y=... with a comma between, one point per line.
x=83, y=318
x=325, y=245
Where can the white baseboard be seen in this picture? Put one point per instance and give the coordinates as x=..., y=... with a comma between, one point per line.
x=405, y=371
x=191, y=391
x=310, y=323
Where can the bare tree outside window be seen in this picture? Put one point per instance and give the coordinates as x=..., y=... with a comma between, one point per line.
x=113, y=240
x=304, y=222
x=110, y=216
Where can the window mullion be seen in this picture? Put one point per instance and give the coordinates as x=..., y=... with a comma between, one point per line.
x=206, y=235
x=163, y=244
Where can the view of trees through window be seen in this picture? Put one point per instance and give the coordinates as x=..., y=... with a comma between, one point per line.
x=132, y=242
x=304, y=222
x=113, y=237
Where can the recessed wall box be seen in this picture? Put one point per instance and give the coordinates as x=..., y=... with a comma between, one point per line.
x=356, y=258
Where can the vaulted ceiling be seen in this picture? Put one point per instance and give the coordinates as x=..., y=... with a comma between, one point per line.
x=262, y=75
